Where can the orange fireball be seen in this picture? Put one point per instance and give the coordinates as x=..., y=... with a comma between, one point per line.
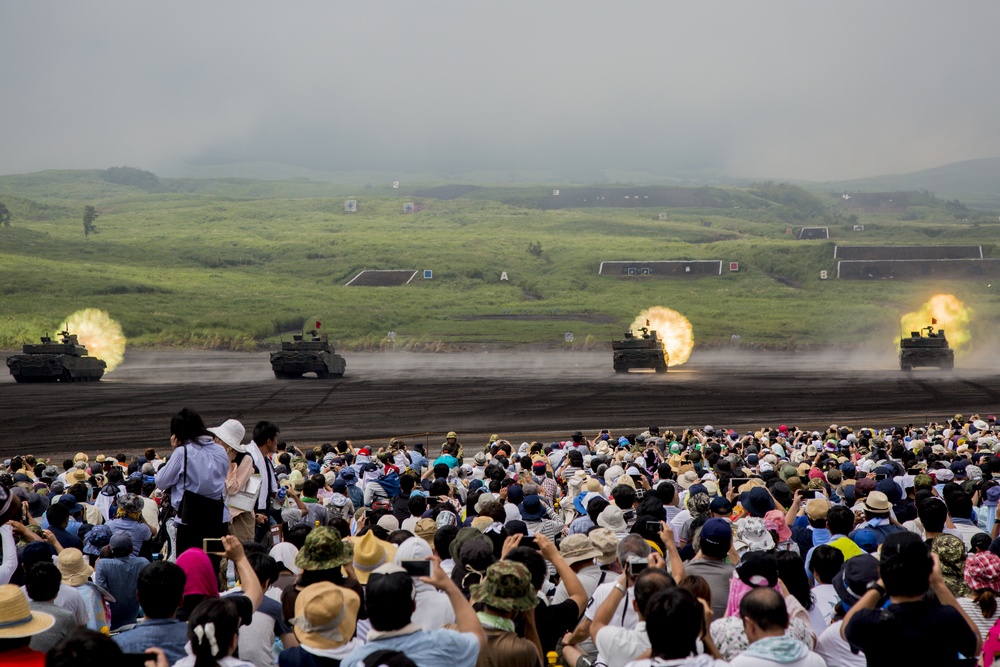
x=672, y=328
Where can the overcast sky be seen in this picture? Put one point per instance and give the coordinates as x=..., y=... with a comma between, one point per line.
x=797, y=89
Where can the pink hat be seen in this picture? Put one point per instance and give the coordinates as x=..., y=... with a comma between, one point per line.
x=775, y=520
x=816, y=473
x=982, y=571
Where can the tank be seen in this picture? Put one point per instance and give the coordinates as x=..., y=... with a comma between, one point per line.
x=925, y=350
x=645, y=350
x=301, y=356
x=62, y=361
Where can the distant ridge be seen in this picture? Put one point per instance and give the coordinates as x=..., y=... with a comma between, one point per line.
x=974, y=182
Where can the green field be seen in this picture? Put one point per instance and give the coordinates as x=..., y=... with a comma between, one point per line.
x=234, y=263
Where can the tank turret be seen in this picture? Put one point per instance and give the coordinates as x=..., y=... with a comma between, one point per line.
x=928, y=349
x=645, y=350
x=312, y=355
x=48, y=361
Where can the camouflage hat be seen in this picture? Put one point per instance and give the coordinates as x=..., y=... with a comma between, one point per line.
x=323, y=550
x=130, y=503
x=951, y=554
x=507, y=586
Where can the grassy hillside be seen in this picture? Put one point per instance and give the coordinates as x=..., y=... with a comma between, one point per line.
x=975, y=182
x=234, y=263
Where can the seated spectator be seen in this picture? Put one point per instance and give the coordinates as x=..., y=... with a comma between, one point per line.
x=159, y=589
x=213, y=633
x=42, y=582
x=58, y=517
x=118, y=576
x=88, y=648
x=76, y=572
x=129, y=519
x=68, y=597
x=393, y=629
x=765, y=621
x=19, y=624
x=324, y=624
x=256, y=640
x=907, y=571
x=432, y=608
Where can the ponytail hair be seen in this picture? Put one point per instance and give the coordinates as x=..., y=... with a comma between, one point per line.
x=987, y=601
x=211, y=628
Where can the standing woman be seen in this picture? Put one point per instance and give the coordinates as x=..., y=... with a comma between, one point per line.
x=195, y=477
x=242, y=486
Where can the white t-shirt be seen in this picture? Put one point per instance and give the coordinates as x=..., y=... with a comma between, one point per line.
x=826, y=598
x=625, y=615
x=590, y=578
x=744, y=660
x=836, y=651
x=702, y=660
x=620, y=646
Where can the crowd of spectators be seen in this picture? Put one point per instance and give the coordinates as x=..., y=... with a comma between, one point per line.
x=704, y=547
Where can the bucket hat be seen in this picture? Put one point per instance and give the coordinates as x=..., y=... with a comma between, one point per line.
x=532, y=509
x=98, y=538
x=753, y=533
x=425, y=529
x=326, y=615
x=323, y=550
x=578, y=547
x=74, y=567
x=851, y=583
x=605, y=541
x=369, y=554
x=507, y=586
x=613, y=519
x=231, y=432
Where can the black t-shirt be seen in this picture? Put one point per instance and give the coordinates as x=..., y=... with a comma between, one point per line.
x=553, y=621
x=913, y=633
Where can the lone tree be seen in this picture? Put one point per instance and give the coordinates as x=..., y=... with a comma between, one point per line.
x=89, y=215
x=4, y=215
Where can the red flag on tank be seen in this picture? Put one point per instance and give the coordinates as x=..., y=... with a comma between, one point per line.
x=317, y=324
x=933, y=320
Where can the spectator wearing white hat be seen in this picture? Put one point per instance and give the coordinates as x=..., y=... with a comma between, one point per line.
x=242, y=486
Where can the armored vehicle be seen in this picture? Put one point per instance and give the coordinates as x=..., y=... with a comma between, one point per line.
x=307, y=356
x=642, y=351
x=63, y=361
x=929, y=350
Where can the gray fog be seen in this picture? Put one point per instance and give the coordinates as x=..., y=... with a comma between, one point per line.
x=777, y=89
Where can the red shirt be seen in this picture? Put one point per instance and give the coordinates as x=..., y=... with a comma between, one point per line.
x=22, y=657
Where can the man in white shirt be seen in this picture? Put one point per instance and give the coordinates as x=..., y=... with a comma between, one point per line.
x=579, y=552
x=617, y=646
x=264, y=443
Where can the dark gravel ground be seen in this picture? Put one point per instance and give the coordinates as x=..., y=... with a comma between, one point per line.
x=520, y=396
